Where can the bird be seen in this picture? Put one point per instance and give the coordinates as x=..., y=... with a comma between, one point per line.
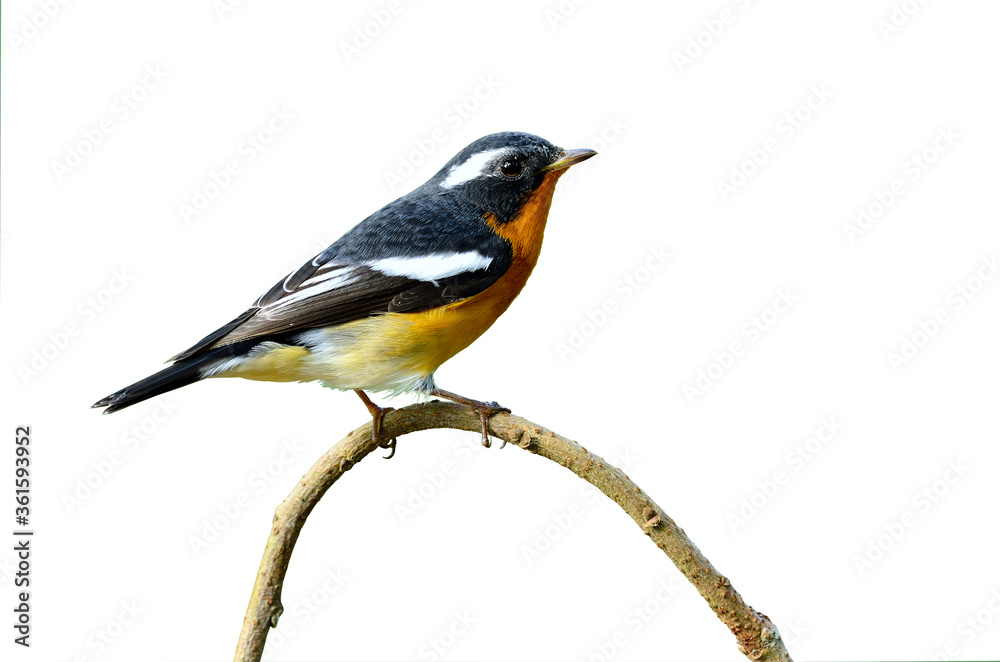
x=400, y=293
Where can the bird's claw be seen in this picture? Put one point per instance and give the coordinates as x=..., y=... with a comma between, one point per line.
x=390, y=444
x=378, y=413
x=377, y=417
x=485, y=411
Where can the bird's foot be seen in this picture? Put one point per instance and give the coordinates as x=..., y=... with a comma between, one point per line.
x=377, y=433
x=378, y=413
x=484, y=409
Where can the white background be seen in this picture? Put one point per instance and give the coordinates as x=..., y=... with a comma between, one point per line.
x=840, y=545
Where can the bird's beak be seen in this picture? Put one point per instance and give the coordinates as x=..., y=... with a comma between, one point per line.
x=570, y=157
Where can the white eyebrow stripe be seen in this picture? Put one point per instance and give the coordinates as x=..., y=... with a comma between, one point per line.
x=431, y=268
x=471, y=168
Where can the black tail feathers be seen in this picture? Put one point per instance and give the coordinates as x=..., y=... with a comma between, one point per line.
x=171, y=377
x=182, y=373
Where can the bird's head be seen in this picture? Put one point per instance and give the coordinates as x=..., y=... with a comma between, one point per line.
x=499, y=172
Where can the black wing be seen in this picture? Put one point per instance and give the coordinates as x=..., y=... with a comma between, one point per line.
x=330, y=294
x=424, y=250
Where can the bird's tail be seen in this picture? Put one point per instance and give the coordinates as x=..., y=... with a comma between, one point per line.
x=172, y=377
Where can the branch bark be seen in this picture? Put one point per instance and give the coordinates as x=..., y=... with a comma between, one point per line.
x=756, y=636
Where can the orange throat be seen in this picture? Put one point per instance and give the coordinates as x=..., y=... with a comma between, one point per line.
x=525, y=230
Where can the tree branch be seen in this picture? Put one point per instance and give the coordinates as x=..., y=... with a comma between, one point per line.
x=757, y=637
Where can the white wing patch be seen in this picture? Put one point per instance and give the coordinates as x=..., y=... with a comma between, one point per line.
x=315, y=285
x=428, y=268
x=470, y=169
x=335, y=272
x=431, y=268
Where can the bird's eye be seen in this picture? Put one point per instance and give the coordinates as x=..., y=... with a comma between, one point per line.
x=511, y=168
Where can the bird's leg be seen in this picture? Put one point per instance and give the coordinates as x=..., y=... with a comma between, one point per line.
x=484, y=409
x=378, y=413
